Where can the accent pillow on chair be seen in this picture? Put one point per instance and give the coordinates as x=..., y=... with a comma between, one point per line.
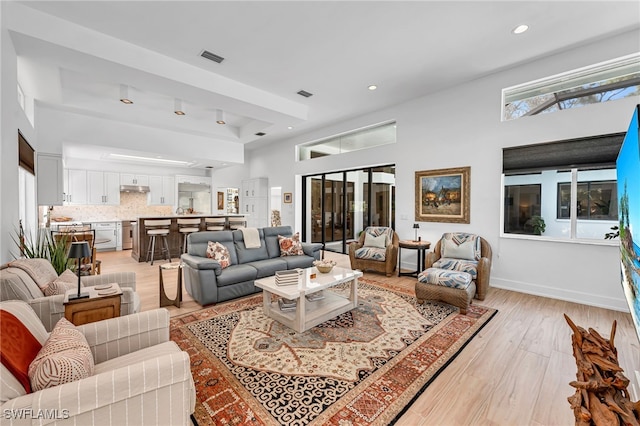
x=379, y=241
x=459, y=245
x=66, y=281
x=64, y=358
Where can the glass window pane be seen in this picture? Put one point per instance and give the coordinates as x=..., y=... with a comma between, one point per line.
x=521, y=204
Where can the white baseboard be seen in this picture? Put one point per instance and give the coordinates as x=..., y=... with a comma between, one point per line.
x=597, y=300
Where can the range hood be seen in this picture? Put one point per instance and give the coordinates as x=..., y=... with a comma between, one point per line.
x=134, y=188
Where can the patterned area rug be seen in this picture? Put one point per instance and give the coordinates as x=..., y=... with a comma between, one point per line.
x=364, y=367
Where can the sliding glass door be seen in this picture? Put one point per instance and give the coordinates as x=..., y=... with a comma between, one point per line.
x=339, y=205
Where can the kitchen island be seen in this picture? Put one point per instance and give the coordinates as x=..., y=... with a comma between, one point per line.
x=141, y=240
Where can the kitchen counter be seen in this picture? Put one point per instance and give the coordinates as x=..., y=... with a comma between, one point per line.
x=141, y=240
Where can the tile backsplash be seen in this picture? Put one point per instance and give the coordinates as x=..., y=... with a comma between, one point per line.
x=132, y=205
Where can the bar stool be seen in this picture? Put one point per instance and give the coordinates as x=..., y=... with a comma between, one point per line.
x=186, y=227
x=237, y=222
x=157, y=228
x=215, y=223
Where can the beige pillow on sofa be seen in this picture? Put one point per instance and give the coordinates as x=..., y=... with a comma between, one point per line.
x=64, y=358
x=66, y=281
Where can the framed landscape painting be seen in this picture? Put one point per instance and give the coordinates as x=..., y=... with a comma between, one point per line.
x=443, y=195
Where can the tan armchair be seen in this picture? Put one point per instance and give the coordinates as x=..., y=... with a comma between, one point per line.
x=375, y=258
x=483, y=267
x=140, y=376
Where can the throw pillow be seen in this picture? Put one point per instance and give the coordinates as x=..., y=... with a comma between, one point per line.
x=290, y=246
x=372, y=241
x=459, y=250
x=40, y=270
x=219, y=252
x=64, y=358
x=18, y=347
x=66, y=281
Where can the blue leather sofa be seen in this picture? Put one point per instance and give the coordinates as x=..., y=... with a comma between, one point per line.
x=207, y=282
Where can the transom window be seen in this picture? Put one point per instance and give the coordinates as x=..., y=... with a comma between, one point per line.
x=380, y=134
x=607, y=81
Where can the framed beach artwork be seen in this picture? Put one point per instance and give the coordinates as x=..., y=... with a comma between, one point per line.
x=443, y=195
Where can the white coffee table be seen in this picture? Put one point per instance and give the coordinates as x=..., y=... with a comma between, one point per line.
x=309, y=314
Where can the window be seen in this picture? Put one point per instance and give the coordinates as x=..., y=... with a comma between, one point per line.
x=562, y=190
x=521, y=205
x=607, y=81
x=369, y=137
x=595, y=200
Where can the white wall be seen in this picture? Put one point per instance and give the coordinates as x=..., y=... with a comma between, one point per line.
x=12, y=118
x=461, y=126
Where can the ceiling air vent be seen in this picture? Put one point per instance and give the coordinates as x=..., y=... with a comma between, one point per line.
x=305, y=93
x=211, y=56
x=260, y=134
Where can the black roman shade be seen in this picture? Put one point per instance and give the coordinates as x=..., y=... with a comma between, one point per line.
x=26, y=155
x=583, y=153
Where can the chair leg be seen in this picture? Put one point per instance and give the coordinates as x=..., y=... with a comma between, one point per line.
x=152, y=248
x=166, y=248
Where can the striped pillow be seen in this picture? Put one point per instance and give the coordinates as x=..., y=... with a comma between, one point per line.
x=64, y=358
x=66, y=281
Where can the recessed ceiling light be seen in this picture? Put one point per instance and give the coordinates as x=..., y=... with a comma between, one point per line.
x=372, y=87
x=290, y=127
x=520, y=29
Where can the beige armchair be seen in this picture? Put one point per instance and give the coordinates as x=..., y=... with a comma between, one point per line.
x=25, y=282
x=372, y=258
x=140, y=376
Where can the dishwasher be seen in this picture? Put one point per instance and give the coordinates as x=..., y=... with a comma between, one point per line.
x=106, y=238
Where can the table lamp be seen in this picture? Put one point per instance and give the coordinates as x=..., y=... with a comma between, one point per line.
x=78, y=250
x=416, y=226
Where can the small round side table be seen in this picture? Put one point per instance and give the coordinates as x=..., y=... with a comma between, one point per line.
x=421, y=247
x=164, y=300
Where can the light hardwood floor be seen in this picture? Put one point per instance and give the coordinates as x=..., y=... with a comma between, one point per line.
x=514, y=372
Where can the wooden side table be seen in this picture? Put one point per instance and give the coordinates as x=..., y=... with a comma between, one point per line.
x=164, y=300
x=421, y=247
x=103, y=303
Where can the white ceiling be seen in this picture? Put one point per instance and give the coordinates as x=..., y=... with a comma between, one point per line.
x=272, y=50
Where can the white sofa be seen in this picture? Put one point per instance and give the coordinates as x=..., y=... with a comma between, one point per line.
x=140, y=376
x=17, y=284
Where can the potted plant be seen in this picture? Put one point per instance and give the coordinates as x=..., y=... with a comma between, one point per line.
x=538, y=225
x=44, y=247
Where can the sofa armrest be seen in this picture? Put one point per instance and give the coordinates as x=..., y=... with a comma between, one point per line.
x=197, y=262
x=115, y=337
x=156, y=391
x=124, y=279
x=312, y=249
x=49, y=309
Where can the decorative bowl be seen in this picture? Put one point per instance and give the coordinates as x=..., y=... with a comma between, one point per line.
x=324, y=269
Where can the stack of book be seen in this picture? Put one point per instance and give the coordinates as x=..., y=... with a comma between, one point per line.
x=319, y=295
x=289, y=277
x=287, y=304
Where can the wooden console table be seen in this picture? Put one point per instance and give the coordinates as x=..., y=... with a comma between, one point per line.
x=103, y=303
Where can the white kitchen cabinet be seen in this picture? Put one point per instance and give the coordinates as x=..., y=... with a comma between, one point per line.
x=162, y=191
x=50, y=180
x=75, y=187
x=103, y=188
x=255, y=202
x=132, y=179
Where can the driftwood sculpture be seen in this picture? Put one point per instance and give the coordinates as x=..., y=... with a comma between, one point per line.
x=601, y=396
